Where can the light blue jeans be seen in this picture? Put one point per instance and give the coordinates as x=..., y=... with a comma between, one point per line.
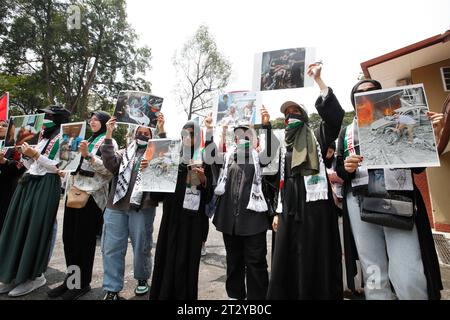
x=118, y=225
x=387, y=254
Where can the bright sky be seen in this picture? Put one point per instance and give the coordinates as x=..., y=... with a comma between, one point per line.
x=345, y=33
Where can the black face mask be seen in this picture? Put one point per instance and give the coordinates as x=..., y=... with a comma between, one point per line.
x=294, y=116
x=142, y=137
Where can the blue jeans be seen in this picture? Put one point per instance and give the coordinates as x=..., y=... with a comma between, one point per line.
x=118, y=225
x=387, y=254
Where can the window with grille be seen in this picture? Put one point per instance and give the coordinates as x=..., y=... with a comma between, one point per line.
x=445, y=72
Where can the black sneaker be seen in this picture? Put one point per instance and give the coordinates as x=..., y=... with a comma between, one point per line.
x=112, y=296
x=58, y=291
x=74, y=294
x=142, y=288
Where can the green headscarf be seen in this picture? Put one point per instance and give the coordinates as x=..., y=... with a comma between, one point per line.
x=300, y=139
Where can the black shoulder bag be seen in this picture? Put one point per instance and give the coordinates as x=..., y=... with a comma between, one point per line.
x=392, y=210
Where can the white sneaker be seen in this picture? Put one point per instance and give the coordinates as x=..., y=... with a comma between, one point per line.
x=203, y=253
x=6, y=287
x=28, y=286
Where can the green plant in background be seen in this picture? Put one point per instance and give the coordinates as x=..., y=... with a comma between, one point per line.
x=44, y=62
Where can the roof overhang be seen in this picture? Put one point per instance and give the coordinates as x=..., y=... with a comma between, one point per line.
x=398, y=64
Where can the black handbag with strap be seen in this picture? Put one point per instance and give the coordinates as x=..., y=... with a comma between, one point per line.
x=395, y=211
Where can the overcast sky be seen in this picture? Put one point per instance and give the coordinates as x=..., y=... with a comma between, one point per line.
x=344, y=33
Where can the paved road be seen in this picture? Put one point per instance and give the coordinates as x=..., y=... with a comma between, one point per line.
x=211, y=279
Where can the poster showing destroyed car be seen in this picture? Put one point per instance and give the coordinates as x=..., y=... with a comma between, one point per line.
x=161, y=174
x=394, y=130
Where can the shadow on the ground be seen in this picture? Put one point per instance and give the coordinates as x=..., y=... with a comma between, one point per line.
x=214, y=259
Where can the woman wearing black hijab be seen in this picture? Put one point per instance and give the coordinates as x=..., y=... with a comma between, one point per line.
x=81, y=224
x=11, y=169
x=178, y=249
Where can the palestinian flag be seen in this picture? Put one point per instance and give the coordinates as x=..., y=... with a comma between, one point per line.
x=4, y=104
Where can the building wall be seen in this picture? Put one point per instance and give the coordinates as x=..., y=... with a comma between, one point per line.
x=431, y=78
x=438, y=178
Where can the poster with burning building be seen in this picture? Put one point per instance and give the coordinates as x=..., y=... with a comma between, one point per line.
x=161, y=174
x=137, y=107
x=394, y=129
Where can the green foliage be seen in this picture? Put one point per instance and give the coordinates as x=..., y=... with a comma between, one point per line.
x=278, y=123
x=83, y=69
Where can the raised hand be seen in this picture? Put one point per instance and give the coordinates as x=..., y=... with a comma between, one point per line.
x=208, y=121
x=160, y=123
x=314, y=70
x=110, y=126
x=265, y=116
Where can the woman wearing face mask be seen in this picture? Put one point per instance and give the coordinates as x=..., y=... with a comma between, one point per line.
x=129, y=212
x=178, y=249
x=81, y=219
x=242, y=212
x=404, y=258
x=25, y=240
x=11, y=169
x=307, y=255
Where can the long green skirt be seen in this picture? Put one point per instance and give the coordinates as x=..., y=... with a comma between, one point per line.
x=26, y=235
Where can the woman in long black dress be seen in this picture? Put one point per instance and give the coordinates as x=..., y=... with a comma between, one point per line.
x=178, y=249
x=307, y=257
x=11, y=169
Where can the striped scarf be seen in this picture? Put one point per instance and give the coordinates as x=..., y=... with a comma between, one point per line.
x=123, y=180
x=257, y=202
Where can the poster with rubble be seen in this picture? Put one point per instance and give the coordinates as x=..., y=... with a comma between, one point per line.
x=162, y=171
x=394, y=129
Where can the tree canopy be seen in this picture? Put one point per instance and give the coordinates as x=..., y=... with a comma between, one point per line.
x=46, y=62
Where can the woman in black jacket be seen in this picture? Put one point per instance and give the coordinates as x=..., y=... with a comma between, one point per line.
x=241, y=214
